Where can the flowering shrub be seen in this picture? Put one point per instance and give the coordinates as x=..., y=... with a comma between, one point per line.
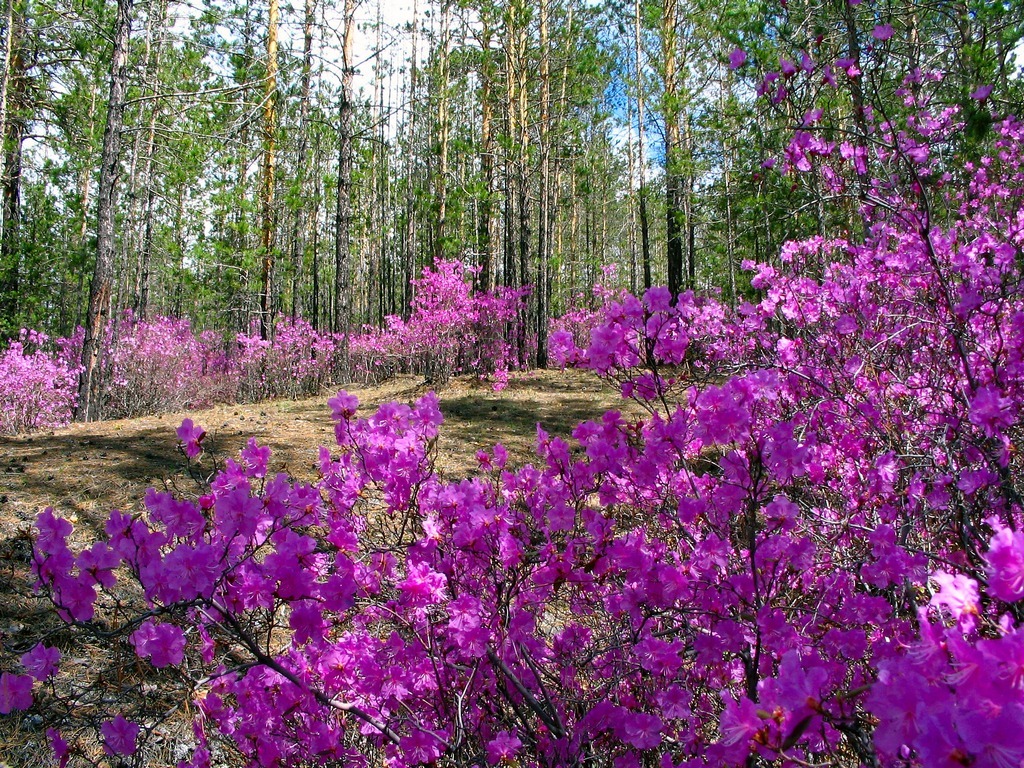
x=38, y=388
x=580, y=320
x=808, y=552
x=451, y=329
x=155, y=366
x=160, y=364
x=298, y=361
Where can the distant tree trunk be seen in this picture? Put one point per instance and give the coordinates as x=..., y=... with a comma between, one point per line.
x=673, y=176
x=149, y=176
x=522, y=167
x=5, y=74
x=314, y=300
x=443, y=134
x=267, y=239
x=645, y=229
x=301, y=222
x=544, y=212
x=485, y=224
x=12, y=132
x=99, y=291
x=727, y=164
x=343, y=210
x=689, y=206
x=409, y=257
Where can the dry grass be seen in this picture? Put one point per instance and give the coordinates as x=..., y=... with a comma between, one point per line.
x=85, y=470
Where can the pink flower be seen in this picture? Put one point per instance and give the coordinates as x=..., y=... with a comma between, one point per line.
x=982, y=92
x=163, y=644
x=59, y=746
x=639, y=729
x=15, y=692
x=1005, y=558
x=503, y=747
x=256, y=458
x=882, y=32
x=737, y=58
x=192, y=436
x=959, y=594
x=41, y=662
x=120, y=736
x=343, y=406
x=991, y=411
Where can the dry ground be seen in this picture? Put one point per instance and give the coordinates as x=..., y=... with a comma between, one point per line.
x=85, y=470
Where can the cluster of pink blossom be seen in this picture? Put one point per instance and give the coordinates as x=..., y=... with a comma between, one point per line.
x=451, y=329
x=808, y=552
x=298, y=361
x=583, y=316
x=162, y=364
x=38, y=387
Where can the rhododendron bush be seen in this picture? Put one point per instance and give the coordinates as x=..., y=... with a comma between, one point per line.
x=452, y=328
x=809, y=552
x=161, y=364
x=38, y=387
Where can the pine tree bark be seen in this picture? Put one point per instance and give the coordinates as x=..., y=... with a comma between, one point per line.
x=409, y=256
x=301, y=221
x=645, y=229
x=267, y=229
x=673, y=176
x=89, y=406
x=486, y=234
x=343, y=209
x=443, y=134
x=544, y=212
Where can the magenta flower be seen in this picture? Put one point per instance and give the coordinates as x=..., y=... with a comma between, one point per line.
x=53, y=531
x=59, y=746
x=41, y=662
x=162, y=644
x=120, y=736
x=737, y=58
x=15, y=692
x=1005, y=559
x=959, y=594
x=981, y=93
x=639, y=729
x=503, y=747
x=192, y=436
x=882, y=32
x=343, y=406
x=991, y=411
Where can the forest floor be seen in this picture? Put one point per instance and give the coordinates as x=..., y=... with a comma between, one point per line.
x=85, y=470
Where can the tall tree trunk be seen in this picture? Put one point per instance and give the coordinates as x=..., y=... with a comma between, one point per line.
x=544, y=208
x=689, y=206
x=725, y=87
x=106, y=222
x=301, y=221
x=12, y=132
x=673, y=176
x=409, y=257
x=486, y=234
x=343, y=209
x=522, y=171
x=645, y=230
x=267, y=229
x=443, y=134
x=154, y=43
x=5, y=75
